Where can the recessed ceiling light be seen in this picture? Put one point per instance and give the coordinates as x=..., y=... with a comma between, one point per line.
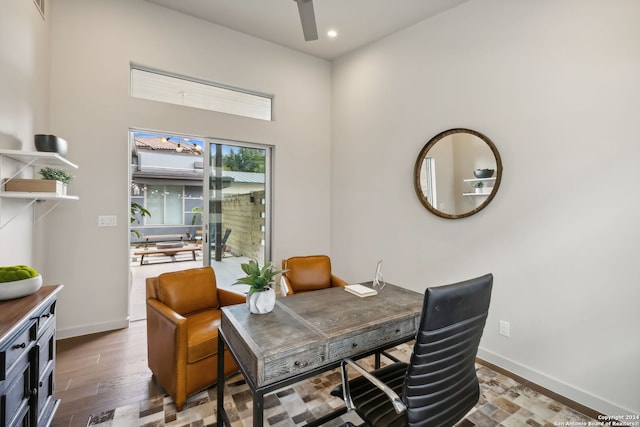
x=332, y=33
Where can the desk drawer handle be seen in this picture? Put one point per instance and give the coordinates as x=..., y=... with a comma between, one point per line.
x=397, y=330
x=354, y=345
x=46, y=315
x=22, y=345
x=300, y=364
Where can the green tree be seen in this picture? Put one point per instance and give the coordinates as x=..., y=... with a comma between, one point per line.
x=244, y=159
x=138, y=212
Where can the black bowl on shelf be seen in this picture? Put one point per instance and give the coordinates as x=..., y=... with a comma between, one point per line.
x=483, y=173
x=50, y=144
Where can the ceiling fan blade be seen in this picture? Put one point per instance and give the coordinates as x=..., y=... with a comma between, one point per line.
x=308, y=19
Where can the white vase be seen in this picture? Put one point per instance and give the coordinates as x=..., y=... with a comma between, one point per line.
x=262, y=302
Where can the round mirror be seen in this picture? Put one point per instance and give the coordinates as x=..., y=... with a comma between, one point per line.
x=457, y=173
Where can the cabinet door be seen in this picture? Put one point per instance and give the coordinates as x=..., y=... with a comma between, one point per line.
x=14, y=398
x=46, y=354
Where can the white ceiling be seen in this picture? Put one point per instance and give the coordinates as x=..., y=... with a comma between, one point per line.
x=358, y=22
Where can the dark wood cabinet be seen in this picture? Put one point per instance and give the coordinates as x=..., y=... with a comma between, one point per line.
x=27, y=359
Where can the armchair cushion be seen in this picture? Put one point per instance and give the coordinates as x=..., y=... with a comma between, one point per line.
x=202, y=338
x=201, y=295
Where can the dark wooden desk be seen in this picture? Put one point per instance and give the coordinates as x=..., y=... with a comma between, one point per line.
x=310, y=333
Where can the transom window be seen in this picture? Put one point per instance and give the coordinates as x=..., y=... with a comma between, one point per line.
x=180, y=90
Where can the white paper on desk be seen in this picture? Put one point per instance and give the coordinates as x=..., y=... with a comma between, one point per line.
x=360, y=290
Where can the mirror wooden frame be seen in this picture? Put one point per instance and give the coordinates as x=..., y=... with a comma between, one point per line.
x=423, y=154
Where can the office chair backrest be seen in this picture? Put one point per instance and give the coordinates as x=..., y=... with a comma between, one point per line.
x=441, y=384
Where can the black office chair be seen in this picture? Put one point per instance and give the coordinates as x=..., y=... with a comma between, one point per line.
x=439, y=385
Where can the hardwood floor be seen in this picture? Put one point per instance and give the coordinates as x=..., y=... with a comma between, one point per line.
x=101, y=371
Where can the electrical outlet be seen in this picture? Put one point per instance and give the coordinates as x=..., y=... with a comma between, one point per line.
x=107, y=221
x=505, y=328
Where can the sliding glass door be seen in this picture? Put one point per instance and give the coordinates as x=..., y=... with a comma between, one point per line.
x=209, y=197
x=238, y=188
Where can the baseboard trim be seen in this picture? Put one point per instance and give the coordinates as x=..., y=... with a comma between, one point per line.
x=591, y=406
x=91, y=329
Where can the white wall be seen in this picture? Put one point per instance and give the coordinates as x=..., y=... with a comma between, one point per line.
x=555, y=86
x=93, y=43
x=24, y=99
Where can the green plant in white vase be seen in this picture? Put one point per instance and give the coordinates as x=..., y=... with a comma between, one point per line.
x=261, y=297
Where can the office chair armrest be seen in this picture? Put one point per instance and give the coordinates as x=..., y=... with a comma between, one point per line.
x=397, y=403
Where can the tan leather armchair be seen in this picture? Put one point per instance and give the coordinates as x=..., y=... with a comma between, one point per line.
x=183, y=316
x=309, y=273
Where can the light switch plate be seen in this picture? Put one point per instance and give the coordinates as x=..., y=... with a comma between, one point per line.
x=107, y=221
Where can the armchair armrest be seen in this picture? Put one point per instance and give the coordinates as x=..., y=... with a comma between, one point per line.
x=397, y=403
x=336, y=281
x=164, y=312
x=226, y=297
x=166, y=339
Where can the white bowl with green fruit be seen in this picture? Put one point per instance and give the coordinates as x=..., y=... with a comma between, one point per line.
x=18, y=281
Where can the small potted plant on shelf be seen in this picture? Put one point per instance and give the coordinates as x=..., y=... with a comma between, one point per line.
x=261, y=297
x=55, y=174
x=479, y=187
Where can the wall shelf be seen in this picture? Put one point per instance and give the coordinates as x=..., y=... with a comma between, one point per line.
x=479, y=179
x=33, y=159
x=471, y=181
x=36, y=196
x=37, y=158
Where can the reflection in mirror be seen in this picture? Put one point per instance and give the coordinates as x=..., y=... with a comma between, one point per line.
x=457, y=173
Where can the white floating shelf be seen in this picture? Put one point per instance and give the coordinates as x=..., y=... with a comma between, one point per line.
x=35, y=196
x=38, y=158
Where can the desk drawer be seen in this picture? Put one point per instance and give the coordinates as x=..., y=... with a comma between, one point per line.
x=47, y=318
x=294, y=363
x=362, y=342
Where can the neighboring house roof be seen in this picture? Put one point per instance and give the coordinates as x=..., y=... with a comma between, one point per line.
x=164, y=144
x=157, y=158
